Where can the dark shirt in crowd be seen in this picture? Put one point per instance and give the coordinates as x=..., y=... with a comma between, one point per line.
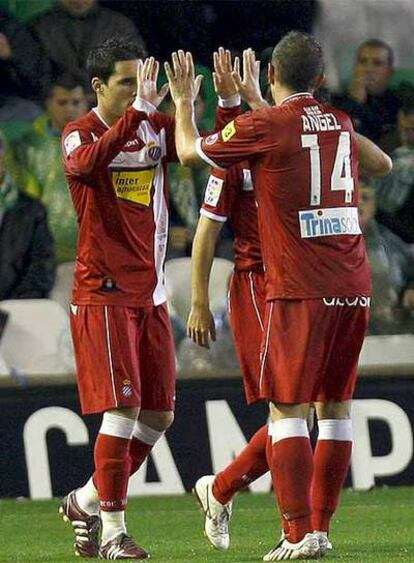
x=67, y=39
x=376, y=118
x=27, y=261
x=23, y=72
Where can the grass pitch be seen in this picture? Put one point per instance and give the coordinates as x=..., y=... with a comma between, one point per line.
x=371, y=527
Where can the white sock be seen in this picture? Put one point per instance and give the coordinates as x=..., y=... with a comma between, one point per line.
x=113, y=524
x=87, y=497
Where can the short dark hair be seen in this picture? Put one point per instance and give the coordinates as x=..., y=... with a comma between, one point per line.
x=66, y=81
x=102, y=58
x=298, y=61
x=378, y=44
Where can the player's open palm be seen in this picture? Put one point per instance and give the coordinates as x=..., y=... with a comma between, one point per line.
x=147, y=76
x=248, y=86
x=222, y=75
x=184, y=85
x=200, y=326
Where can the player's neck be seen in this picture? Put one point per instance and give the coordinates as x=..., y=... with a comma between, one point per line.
x=281, y=93
x=106, y=115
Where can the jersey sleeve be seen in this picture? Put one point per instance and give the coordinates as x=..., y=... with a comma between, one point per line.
x=220, y=193
x=244, y=138
x=84, y=154
x=226, y=114
x=166, y=123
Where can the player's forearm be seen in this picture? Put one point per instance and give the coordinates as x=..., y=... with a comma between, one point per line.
x=202, y=257
x=373, y=161
x=186, y=134
x=85, y=160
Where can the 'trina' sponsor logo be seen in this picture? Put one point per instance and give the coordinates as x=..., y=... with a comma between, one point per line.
x=329, y=222
x=134, y=185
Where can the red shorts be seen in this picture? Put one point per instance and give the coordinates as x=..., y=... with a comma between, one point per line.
x=124, y=357
x=310, y=349
x=247, y=311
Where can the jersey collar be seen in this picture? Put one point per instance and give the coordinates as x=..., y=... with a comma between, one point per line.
x=296, y=95
x=99, y=116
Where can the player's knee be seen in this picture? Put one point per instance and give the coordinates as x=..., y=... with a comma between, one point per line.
x=158, y=420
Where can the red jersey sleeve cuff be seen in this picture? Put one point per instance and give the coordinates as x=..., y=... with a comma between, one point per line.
x=203, y=155
x=213, y=216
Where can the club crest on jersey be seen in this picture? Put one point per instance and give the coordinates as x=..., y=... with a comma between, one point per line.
x=229, y=131
x=213, y=190
x=154, y=151
x=329, y=222
x=134, y=185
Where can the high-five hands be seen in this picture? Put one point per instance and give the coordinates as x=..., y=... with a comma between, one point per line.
x=223, y=74
x=248, y=86
x=184, y=85
x=147, y=76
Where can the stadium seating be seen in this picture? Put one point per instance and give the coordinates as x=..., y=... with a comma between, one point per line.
x=178, y=284
x=36, y=340
x=62, y=289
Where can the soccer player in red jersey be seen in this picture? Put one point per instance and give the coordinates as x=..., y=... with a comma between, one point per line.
x=304, y=160
x=229, y=196
x=115, y=161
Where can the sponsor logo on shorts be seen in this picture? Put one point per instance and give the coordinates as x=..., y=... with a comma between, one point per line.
x=347, y=301
x=329, y=222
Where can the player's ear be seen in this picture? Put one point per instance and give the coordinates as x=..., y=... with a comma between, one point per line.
x=320, y=81
x=271, y=73
x=97, y=85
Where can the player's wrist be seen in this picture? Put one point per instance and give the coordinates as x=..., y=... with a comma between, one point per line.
x=140, y=104
x=229, y=101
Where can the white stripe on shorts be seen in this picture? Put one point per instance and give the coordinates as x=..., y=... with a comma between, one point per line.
x=108, y=345
x=264, y=357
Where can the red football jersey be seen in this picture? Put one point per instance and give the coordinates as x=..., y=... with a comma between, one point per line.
x=117, y=179
x=304, y=162
x=229, y=195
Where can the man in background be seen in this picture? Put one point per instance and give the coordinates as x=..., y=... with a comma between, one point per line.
x=40, y=168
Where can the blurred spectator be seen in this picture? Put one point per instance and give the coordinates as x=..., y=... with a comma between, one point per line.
x=72, y=28
x=22, y=71
x=40, y=168
x=369, y=100
x=27, y=267
x=395, y=197
x=392, y=264
x=340, y=25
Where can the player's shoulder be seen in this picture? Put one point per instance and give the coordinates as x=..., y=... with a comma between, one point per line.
x=84, y=123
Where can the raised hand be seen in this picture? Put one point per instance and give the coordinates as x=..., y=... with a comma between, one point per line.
x=222, y=75
x=249, y=86
x=147, y=76
x=184, y=86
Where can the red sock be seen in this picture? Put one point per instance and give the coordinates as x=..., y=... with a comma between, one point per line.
x=269, y=449
x=292, y=465
x=331, y=463
x=138, y=453
x=248, y=466
x=112, y=471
